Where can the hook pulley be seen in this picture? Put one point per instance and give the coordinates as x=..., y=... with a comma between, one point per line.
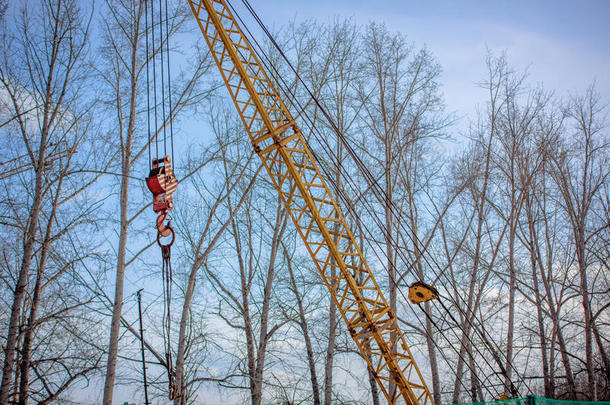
x=162, y=183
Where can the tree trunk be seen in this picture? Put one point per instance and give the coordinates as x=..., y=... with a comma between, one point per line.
x=245, y=314
x=511, y=302
x=305, y=330
x=389, y=242
x=332, y=307
x=117, y=308
x=28, y=248
x=553, y=306
x=372, y=382
x=430, y=344
x=436, y=383
x=586, y=305
x=475, y=387
x=126, y=162
x=533, y=240
x=29, y=238
x=264, y=333
x=602, y=351
x=330, y=348
x=557, y=327
x=469, y=311
x=32, y=318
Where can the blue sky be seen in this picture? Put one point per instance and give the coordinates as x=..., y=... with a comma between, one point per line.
x=563, y=44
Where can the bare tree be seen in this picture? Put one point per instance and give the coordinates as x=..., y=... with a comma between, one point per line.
x=203, y=242
x=517, y=163
x=400, y=98
x=55, y=32
x=303, y=324
x=125, y=68
x=533, y=166
x=580, y=173
x=479, y=169
x=246, y=308
x=124, y=77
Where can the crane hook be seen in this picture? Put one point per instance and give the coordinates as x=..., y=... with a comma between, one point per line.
x=164, y=230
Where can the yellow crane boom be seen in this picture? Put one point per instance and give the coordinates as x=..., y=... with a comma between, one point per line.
x=278, y=141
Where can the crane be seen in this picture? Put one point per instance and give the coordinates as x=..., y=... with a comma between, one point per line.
x=283, y=150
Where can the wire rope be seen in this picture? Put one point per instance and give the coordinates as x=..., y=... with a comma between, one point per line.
x=167, y=277
x=374, y=184
x=162, y=79
x=364, y=170
x=147, y=85
x=314, y=130
x=169, y=84
x=154, y=69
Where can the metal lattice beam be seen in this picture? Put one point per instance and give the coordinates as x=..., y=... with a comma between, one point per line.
x=279, y=143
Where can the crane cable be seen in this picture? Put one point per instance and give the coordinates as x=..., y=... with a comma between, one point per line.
x=340, y=193
x=161, y=181
x=468, y=319
x=167, y=280
x=373, y=182
x=169, y=84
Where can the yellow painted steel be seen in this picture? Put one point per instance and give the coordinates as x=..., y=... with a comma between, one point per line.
x=421, y=292
x=279, y=143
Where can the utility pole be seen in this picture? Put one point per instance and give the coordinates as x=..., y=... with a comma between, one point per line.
x=142, y=347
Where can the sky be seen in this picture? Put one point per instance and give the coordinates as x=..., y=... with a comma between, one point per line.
x=563, y=44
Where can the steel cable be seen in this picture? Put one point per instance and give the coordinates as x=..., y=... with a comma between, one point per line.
x=373, y=182
x=341, y=194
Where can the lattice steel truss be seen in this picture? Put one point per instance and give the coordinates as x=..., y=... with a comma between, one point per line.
x=279, y=143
